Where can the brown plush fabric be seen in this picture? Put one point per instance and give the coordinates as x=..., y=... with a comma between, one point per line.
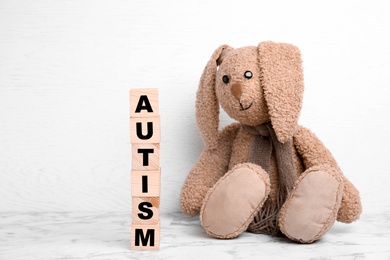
x=314, y=153
x=234, y=65
x=282, y=83
x=211, y=166
x=273, y=94
x=207, y=107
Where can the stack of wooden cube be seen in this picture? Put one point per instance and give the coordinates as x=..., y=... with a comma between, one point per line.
x=145, y=173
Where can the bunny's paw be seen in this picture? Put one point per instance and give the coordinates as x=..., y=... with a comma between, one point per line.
x=312, y=206
x=230, y=205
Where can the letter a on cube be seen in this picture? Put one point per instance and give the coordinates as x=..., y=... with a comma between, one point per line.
x=144, y=102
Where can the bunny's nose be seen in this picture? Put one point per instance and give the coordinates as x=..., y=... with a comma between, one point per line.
x=236, y=91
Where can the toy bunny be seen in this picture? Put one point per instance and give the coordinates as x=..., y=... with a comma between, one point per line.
x=265, y=173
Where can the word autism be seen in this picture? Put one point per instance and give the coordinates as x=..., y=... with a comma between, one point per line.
x=145, y=172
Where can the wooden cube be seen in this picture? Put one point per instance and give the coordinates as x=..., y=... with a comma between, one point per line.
x=145, y=183
x=145, y=237
x=145, y=130
x=144, y=102
x=146, y=210
x=145, y=157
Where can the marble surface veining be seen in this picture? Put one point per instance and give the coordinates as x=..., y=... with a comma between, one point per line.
x=107, y=236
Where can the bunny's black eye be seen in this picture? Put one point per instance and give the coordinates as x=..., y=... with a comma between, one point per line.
x=248, y=74
x=225, y=79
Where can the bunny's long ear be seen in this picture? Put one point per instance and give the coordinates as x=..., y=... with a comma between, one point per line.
x=207, y=106
x=282, y=82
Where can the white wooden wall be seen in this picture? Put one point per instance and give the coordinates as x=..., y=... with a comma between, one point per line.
x=66, y=68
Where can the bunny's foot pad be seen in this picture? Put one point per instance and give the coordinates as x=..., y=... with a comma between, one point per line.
x=312, y=207
x=230, y=205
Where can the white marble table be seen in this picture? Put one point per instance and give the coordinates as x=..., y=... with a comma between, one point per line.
x=106, y=236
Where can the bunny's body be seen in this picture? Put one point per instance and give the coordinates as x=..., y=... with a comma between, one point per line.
x=264, y=174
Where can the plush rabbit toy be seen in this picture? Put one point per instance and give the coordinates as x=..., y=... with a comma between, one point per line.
x=265, y=173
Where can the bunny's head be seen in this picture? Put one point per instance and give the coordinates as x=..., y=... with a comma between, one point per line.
x=254, y=85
